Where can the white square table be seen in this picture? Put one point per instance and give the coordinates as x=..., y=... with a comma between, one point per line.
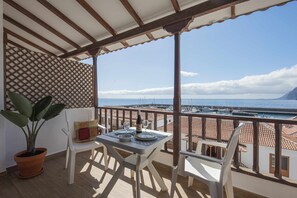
x=144, y=153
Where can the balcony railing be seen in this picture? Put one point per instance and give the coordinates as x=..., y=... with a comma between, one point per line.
x=108, y=115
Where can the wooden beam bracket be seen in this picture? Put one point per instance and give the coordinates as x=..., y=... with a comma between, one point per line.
x=178, y=27
x=94, y=52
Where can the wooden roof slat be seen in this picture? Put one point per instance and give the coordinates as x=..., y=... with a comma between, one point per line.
x=16, y=44
x=21, y=26
x=233, y=13
x=96, y=16
x=150, y=36
x=132, y=12
x=105, y=49
x=136, y=17
x=27, y=41
x=40, y=22
x=59, y=14
x=175, y=5
x=195, y=11
x=125, y=43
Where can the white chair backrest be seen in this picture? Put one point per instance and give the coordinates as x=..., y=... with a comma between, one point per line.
x=230, y=150
x=77, y=116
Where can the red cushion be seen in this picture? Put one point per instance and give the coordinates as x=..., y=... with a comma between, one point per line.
x=83, y=133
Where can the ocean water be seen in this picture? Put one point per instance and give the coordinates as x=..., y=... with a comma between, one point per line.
x=262, y=103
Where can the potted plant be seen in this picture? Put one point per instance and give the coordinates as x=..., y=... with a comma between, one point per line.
x=30, y=118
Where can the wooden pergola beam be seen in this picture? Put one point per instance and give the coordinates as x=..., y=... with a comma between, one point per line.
x=96, y=16
x=132, y=12
x=31, y=32
x=27, y=41
x=175, y=5
x=195, y=11
x=100, y=20
x=135, y=16
x=16, y=44
x=63, y=17
x=40, y=22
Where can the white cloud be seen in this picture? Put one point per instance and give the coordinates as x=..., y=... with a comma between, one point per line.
x=270, y=85
x=188, y=74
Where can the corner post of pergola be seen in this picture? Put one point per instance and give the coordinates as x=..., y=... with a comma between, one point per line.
x=176, y=30
x=94, y=53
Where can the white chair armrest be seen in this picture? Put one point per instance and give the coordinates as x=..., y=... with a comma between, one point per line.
x=103, y=128
x=213, y=143
x=203, y=157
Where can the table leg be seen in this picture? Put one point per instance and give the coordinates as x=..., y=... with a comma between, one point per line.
x=156, y=175
x=112, y=182
x=138, y=184
x=138, y=162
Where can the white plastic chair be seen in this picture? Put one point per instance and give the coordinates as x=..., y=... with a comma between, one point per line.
x=214, y=172
x=73, y=148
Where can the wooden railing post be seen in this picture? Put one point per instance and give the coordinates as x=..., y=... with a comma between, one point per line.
x=256, y=147
x=117, y=113
x=106, y=119
x=278, y=150
x=236, y=154
x=111, y=119
x=124, y=116
x=155, y=121
x=100, y=118
x=219, y=137
x=203, y=131
x=130, y=118
x=165, y=130
x=190, y=135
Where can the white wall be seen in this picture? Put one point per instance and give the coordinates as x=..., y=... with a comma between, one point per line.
x=264, y=152
x=50, y=136
x=263, y=187
x=2, y=127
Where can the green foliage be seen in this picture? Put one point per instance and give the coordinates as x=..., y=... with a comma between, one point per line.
x=21, y=103
x=53, y=111
x=16, y=118
x=43, y=111
x=40, y=108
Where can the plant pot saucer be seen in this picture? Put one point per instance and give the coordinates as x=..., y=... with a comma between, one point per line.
x=39, y=173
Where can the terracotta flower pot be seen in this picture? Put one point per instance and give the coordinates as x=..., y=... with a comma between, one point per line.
x=30, y=166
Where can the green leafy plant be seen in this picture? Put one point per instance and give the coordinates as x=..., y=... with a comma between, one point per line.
x=31, y=117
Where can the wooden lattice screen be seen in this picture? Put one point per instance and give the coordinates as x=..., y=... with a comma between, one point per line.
x=36, y=75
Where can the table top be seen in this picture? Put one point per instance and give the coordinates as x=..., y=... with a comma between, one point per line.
x=136, y=146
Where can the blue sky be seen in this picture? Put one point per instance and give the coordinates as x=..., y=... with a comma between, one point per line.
x=250, y=57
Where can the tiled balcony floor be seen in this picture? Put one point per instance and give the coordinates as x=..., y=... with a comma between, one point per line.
x=91, y=179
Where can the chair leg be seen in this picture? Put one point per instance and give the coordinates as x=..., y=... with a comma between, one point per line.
x=190, y=181
x=216, y=191
x=67, y=157
x=71, y=168
x=93, y=154
x=173, y=181
x=229, y=187
x=105, y=157
x=132, y=173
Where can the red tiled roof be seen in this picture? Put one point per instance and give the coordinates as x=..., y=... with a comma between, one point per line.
x=266, y=132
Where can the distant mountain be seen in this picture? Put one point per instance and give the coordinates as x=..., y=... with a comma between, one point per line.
x=292, y=95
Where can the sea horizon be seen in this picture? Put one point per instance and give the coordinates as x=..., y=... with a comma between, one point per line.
x=257, y=103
